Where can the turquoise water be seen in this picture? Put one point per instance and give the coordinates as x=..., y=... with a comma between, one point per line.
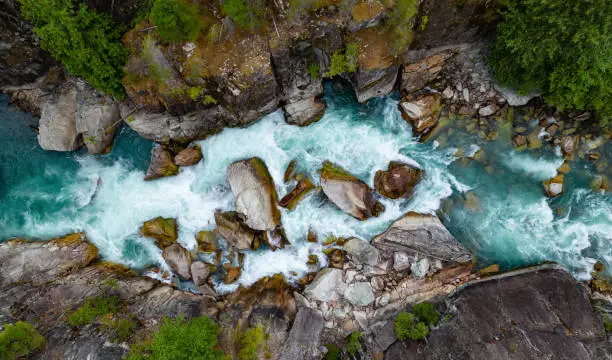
x=47, y=194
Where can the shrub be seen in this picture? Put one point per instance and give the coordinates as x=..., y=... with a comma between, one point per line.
x=406, y=327
x=87, y=43
x=353, y=346
x=343, y=61
x=120, y=329
x=608, y=323
x=427, y=313
x=561, y=48
x=247, y=14
x=251, y=342
x=176, y=20
x=401, y=24
x=333, y=352
x=92, y=309
x=19, y=340
x=313, y=70
x=179, y=339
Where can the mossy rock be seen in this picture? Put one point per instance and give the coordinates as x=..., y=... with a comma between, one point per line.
x=163, y=230
x=207, y=241
x=291, y=200
x=335, y=172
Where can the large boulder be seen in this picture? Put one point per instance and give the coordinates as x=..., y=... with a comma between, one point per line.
x=232, y=227
x=305, y=336
x=163, y=230
x=348, y=193
x=422, y=113
x=359, y=294
x=327, y=285
x=254, y=193
x=179, y=260
x=398, y=181
x=188, y=157
x=97, y=118
x=424, y=235
x=161, y=164
x=361, y=251
x=424, y=68
x=57, y=129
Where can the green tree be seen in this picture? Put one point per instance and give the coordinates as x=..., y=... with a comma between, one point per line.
x=247, y=14
x=86, y=42
x=426, y=312
x=19, y=340
x=401, y=24
x=562, y=48
x=176, y=20
x=179, y=339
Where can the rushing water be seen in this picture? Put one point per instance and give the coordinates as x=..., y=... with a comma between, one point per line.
x=46, y=194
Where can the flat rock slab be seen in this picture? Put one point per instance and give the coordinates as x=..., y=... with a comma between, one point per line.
x=327, y=285
x=424, y=235
x=304, y=338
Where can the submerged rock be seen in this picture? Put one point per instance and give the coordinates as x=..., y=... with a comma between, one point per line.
x=348, y=193
x=422, y=113
x=188, y=157
x=163, y=230
x=424, y=235
x=398, y=181
x=302, y=189
x=179, y=260
x=161, y=164
x=232, y=227
x=254, y=193
x=554, y=187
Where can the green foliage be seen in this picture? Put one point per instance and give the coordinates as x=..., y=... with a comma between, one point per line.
x=333, y=352
x=111, y=283
x=176, y=20
x=208, y=100
x=179, y=339
x=94, y=308
x=427, y=313
x=407, y=328
x=608, y=323
x=19, y=340
x=313, y=70
x=87, y=43
x=251, y=343
x=424, y=22
x=561, y=48
x=120, y=328
x=299, y=8
x=343, y=61
x=247, y=14
x=400, y=23
x=353, y=346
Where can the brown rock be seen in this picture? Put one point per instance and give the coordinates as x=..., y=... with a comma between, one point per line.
x=519, y=141
x=302, y=189
x=179, y=260
x=422, y=113
x=398, y=181
x=232, y=227
x=163, y=230
x=554, y=187
x=161, y=164
x=336, y=258
x=207, y=241
x=289, y=171
x=417, y=74
x=565, y=168
x=188, y=157
x=276, y=239
x=312, y=236
x=233, y=273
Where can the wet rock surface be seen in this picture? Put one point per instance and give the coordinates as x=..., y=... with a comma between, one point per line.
x=398, y=181
x=161, y=164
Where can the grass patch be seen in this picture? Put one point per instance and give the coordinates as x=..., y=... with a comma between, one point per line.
x=120, y=329
x=19, y=341
x=92, y=309
x=344, y=61
x=354, y=346
x=252, y=342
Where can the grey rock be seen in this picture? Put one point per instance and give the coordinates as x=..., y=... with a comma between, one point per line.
x=513, y=98
x=359, y=294
x=362, y=318
x=487, y=110
x=373, y=83
x=200, y=273
x=305, y=336
x=361, y=251
x=305, y=111
x=420, y=268
x=254, y=193
x=97, y=118
x=57, y=129
x=161, y=164
x=326, y=286
x=179, y=260
x=401, y=261
x=424, y=235
x=231, y=227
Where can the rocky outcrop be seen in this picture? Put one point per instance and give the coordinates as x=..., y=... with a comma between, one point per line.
x=348, y=193
x=97, y=118
x=163, y=230
x=398, y=181
x=57, y=129
x=189, y=157
x=161, y=164
x=533, y=314
x=22, y=61
x=422, y=113
x=42, y=282
x=254, y=193
x=304, y=338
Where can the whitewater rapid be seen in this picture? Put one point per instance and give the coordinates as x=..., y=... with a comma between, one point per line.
x=516, y=224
